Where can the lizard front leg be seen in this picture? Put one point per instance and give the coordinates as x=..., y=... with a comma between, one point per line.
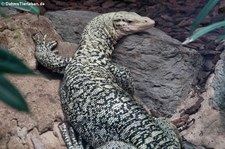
x=123, y=77
x=47, y=57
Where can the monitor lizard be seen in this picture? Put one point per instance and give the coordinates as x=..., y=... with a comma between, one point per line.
x=97, y=95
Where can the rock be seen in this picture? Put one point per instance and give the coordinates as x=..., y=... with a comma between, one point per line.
x=72, y=29
x=67, y=49
x=188, y=145
x=208, y=129
x=15, y=143
x=131, y=1
x=167, y=18
x=92, y=2
x=163, y=70
x=37, y=143
x=217, y=84
x=108, y=4
x=186, y=22
x=21, y=133
x=50, y=140
x=21, y=130
x=121, y=4
x=34, y=139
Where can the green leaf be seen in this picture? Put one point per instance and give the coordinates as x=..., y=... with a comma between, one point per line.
x=21, y=5
x=220, y=38
x=203, y=13
x=11, y=96
x=11, y=64
x=203, y=31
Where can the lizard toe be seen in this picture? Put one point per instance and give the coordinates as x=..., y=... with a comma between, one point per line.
x=51, y=45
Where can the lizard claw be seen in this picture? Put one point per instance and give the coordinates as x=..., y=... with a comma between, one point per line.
x=36, y=38
x=44, y=39
x=51, y=45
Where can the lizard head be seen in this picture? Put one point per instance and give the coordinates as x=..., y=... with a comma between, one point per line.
x=126, y=23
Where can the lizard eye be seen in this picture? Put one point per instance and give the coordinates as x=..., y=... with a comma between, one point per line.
x=117, y=20
x=129, y=21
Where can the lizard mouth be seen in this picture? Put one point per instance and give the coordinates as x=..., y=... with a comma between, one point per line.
x=146, y=23
x=139, y=26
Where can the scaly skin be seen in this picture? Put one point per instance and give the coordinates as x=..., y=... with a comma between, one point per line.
x=97, y=96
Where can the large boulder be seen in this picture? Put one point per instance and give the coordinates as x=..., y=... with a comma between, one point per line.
x=209, y=128
x=217, y=85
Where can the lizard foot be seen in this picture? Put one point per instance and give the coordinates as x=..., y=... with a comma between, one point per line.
x=183, y=122
x=186, y=125
x=41, y=44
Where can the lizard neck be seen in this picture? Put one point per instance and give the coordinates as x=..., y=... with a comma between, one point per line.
x=97, y=43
